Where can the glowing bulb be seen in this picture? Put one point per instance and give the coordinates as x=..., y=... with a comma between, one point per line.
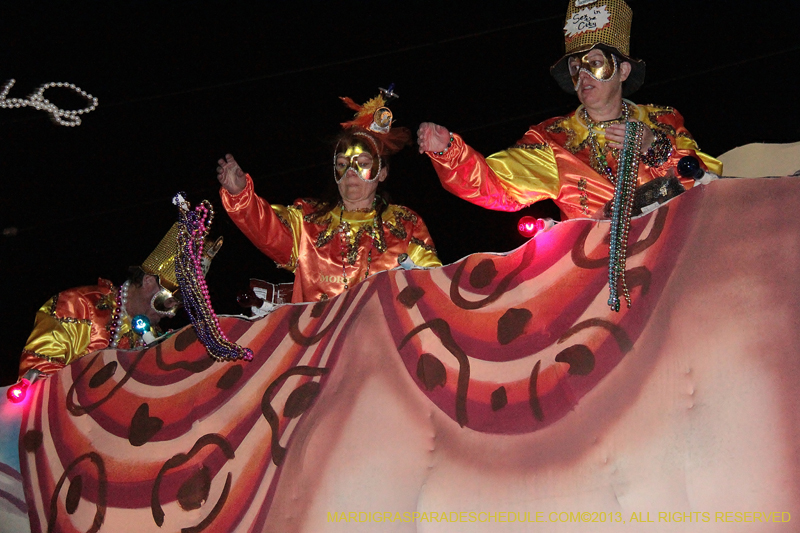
x=529, y=226
x=140, y=324
x=18, y=392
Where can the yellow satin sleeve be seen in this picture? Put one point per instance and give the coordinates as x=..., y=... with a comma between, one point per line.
x=423, y=256
x=58, y=339
x=527, y=174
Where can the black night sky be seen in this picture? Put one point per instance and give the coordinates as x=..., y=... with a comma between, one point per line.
x=181, y=83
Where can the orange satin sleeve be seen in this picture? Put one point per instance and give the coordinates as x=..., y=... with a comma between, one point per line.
x=261, y=224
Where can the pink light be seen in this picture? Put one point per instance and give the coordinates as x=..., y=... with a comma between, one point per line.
x=18, y=392
x=528, y=226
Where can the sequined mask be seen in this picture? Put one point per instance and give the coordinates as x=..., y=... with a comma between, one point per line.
x=165, y=303
x=600, y=68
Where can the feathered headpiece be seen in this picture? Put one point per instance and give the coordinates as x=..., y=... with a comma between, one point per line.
x=375, y=119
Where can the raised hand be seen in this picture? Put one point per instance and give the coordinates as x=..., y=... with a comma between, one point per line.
x=230, y=175
x=432, y=137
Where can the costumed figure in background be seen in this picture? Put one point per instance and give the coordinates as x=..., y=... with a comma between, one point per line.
x=332, y=245
x=82, y=320
x=574, y=159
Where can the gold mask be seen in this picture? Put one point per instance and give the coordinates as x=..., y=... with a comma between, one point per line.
x=600, y=68
x=165, y=302
x=358, y=157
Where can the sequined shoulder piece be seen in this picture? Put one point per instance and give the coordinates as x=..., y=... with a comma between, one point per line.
x=317, y=213
x=101, y=299
x=654, y=112
x=393, y=219
x=575, y=141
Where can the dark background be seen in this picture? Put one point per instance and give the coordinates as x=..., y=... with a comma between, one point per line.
x=181, y=83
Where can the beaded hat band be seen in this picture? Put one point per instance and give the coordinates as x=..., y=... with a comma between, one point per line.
x=604, y=24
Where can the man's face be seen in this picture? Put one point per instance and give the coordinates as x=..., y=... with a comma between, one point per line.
x=151, y=299
x=598, y=77
x=597, y=63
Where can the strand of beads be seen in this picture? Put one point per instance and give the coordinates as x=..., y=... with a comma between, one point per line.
x=119, y=314
x=344, y=236
x=598, y=154
x=449, y=144
x=349, y=249
x=627, y=173
x=38, y=101
x=193, y=226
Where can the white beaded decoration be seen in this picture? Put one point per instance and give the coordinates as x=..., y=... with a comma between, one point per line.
x=38, y=101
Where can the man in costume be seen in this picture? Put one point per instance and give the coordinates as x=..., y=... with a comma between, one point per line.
x=573, y=160
x=82, y=320
x=332, y=245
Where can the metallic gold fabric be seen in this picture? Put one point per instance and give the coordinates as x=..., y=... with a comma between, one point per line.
x=161, y=262
x=553, y=160
x=607, y=22
x=314, y=248
x=70, y=325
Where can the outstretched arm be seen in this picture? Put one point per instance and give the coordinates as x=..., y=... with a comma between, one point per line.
x=255, y=217
x=506, y=181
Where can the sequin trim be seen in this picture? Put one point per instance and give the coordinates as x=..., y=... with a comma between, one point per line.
x=392, y=219
x=535, y=146
x=583, y=195
x=423, y=245
x=59, y=360
x=560, y=126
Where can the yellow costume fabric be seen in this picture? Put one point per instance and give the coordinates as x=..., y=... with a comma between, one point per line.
x=555, y=160
x=71, y=324
x=328, y=251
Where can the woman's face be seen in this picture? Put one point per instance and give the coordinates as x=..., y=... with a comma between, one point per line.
x=357, y=158
x=358, y=172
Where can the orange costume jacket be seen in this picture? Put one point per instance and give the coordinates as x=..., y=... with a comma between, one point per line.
x=71, y=324
x=329, y=251
x=554, y=160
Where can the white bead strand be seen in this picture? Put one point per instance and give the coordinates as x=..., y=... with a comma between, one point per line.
x=38, y=101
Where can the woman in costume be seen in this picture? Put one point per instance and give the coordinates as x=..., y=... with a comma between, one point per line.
x=573, y=160
x=330, y=246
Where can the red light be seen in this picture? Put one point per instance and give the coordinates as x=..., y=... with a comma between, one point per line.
x=529, y=226
x=18, y=392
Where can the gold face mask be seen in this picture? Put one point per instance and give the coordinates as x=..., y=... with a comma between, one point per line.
x=358, y=157
x=601, y=68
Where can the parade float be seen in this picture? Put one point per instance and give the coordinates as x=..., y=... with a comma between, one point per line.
x=498, y=393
